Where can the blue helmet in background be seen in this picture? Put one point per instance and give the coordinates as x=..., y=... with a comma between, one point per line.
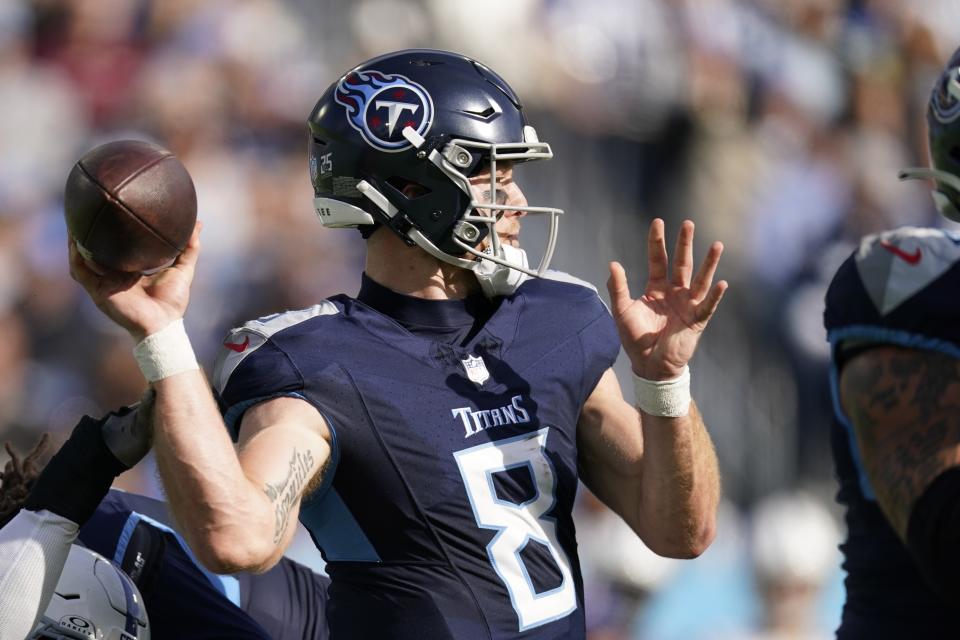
x=943, y=133
x=395, y=140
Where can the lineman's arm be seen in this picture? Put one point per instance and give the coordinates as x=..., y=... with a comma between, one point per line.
x=904, y=405
x=659, y=474
x=237, y=508
x=33, y=550
x=35, y=543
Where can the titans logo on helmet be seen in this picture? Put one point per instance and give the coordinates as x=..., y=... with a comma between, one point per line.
x=945, y=104
x=380, y=106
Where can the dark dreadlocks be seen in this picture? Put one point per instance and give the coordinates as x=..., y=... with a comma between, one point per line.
x=18, y=477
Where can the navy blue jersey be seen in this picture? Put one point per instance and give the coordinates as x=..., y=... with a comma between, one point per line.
x=185, y=601
x=900, y=288
x=445, y=511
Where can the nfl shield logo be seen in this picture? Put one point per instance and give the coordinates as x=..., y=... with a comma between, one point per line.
x=476, y=370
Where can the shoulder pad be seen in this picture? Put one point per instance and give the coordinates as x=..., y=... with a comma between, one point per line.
x=896, y=265
x=276, y=322
x=242, y=341
x=561, y=276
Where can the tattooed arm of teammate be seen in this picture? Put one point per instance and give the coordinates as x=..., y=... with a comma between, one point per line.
x=905, y=408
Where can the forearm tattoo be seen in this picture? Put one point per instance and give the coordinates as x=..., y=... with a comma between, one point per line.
x=905, y=406
x=284, y=494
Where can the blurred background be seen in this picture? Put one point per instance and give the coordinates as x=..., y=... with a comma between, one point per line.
x=777, y=125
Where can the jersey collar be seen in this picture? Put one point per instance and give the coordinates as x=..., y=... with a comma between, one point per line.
x=494, y=339
x=412, y=311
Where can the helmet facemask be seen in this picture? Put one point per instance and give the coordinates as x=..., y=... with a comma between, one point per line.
x=946, y=195
x=479, y=219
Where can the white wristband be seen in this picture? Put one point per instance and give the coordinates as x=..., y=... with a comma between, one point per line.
x=165, y=353
x=666, y=398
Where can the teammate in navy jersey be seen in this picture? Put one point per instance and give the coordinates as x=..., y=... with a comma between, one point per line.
x=186, y=601
x=182, y=599
x=431, y=431
x=893, y=319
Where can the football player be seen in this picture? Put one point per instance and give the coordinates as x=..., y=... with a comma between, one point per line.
x=93, y=598
x=894, y=324
x=69, y=500
x=430, y=432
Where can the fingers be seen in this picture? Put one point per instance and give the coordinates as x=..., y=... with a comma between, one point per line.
x=80, y=269
x=657, y=251
x=704, y=278
x=98, y=281
x=683, y=255
x=618, y=288
x=706, y=309
x=187, y=260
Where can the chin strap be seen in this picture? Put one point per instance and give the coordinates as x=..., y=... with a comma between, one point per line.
x=500, y=280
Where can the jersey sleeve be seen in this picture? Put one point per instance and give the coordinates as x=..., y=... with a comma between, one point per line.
x=252, y=365
x=900, y=287
x=600, y=344
x=586, y=311
x=251, y=368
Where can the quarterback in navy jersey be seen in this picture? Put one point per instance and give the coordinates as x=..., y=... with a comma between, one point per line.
x=893, y=320
x=430, y=432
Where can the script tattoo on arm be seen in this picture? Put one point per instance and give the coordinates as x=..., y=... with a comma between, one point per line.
x=905, y=408
x=285, y=494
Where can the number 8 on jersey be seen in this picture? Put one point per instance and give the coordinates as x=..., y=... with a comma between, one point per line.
x=518, y=523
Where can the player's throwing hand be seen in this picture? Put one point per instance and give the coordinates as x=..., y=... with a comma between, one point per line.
x=140, y=304
x=660, y=329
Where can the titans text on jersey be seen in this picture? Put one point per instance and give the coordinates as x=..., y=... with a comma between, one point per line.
x=899, y=288
x=445, y=511
x=475, y=421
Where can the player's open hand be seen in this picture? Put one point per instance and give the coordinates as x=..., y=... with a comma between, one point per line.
x=660, y=329
x=140, y=304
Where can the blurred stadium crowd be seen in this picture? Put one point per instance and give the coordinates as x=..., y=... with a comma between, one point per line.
x=777, y=125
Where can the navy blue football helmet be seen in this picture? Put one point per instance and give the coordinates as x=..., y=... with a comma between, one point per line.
x=943, y=130
x=429, y=119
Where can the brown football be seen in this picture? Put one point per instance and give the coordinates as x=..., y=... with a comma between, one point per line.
x=130, y=206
